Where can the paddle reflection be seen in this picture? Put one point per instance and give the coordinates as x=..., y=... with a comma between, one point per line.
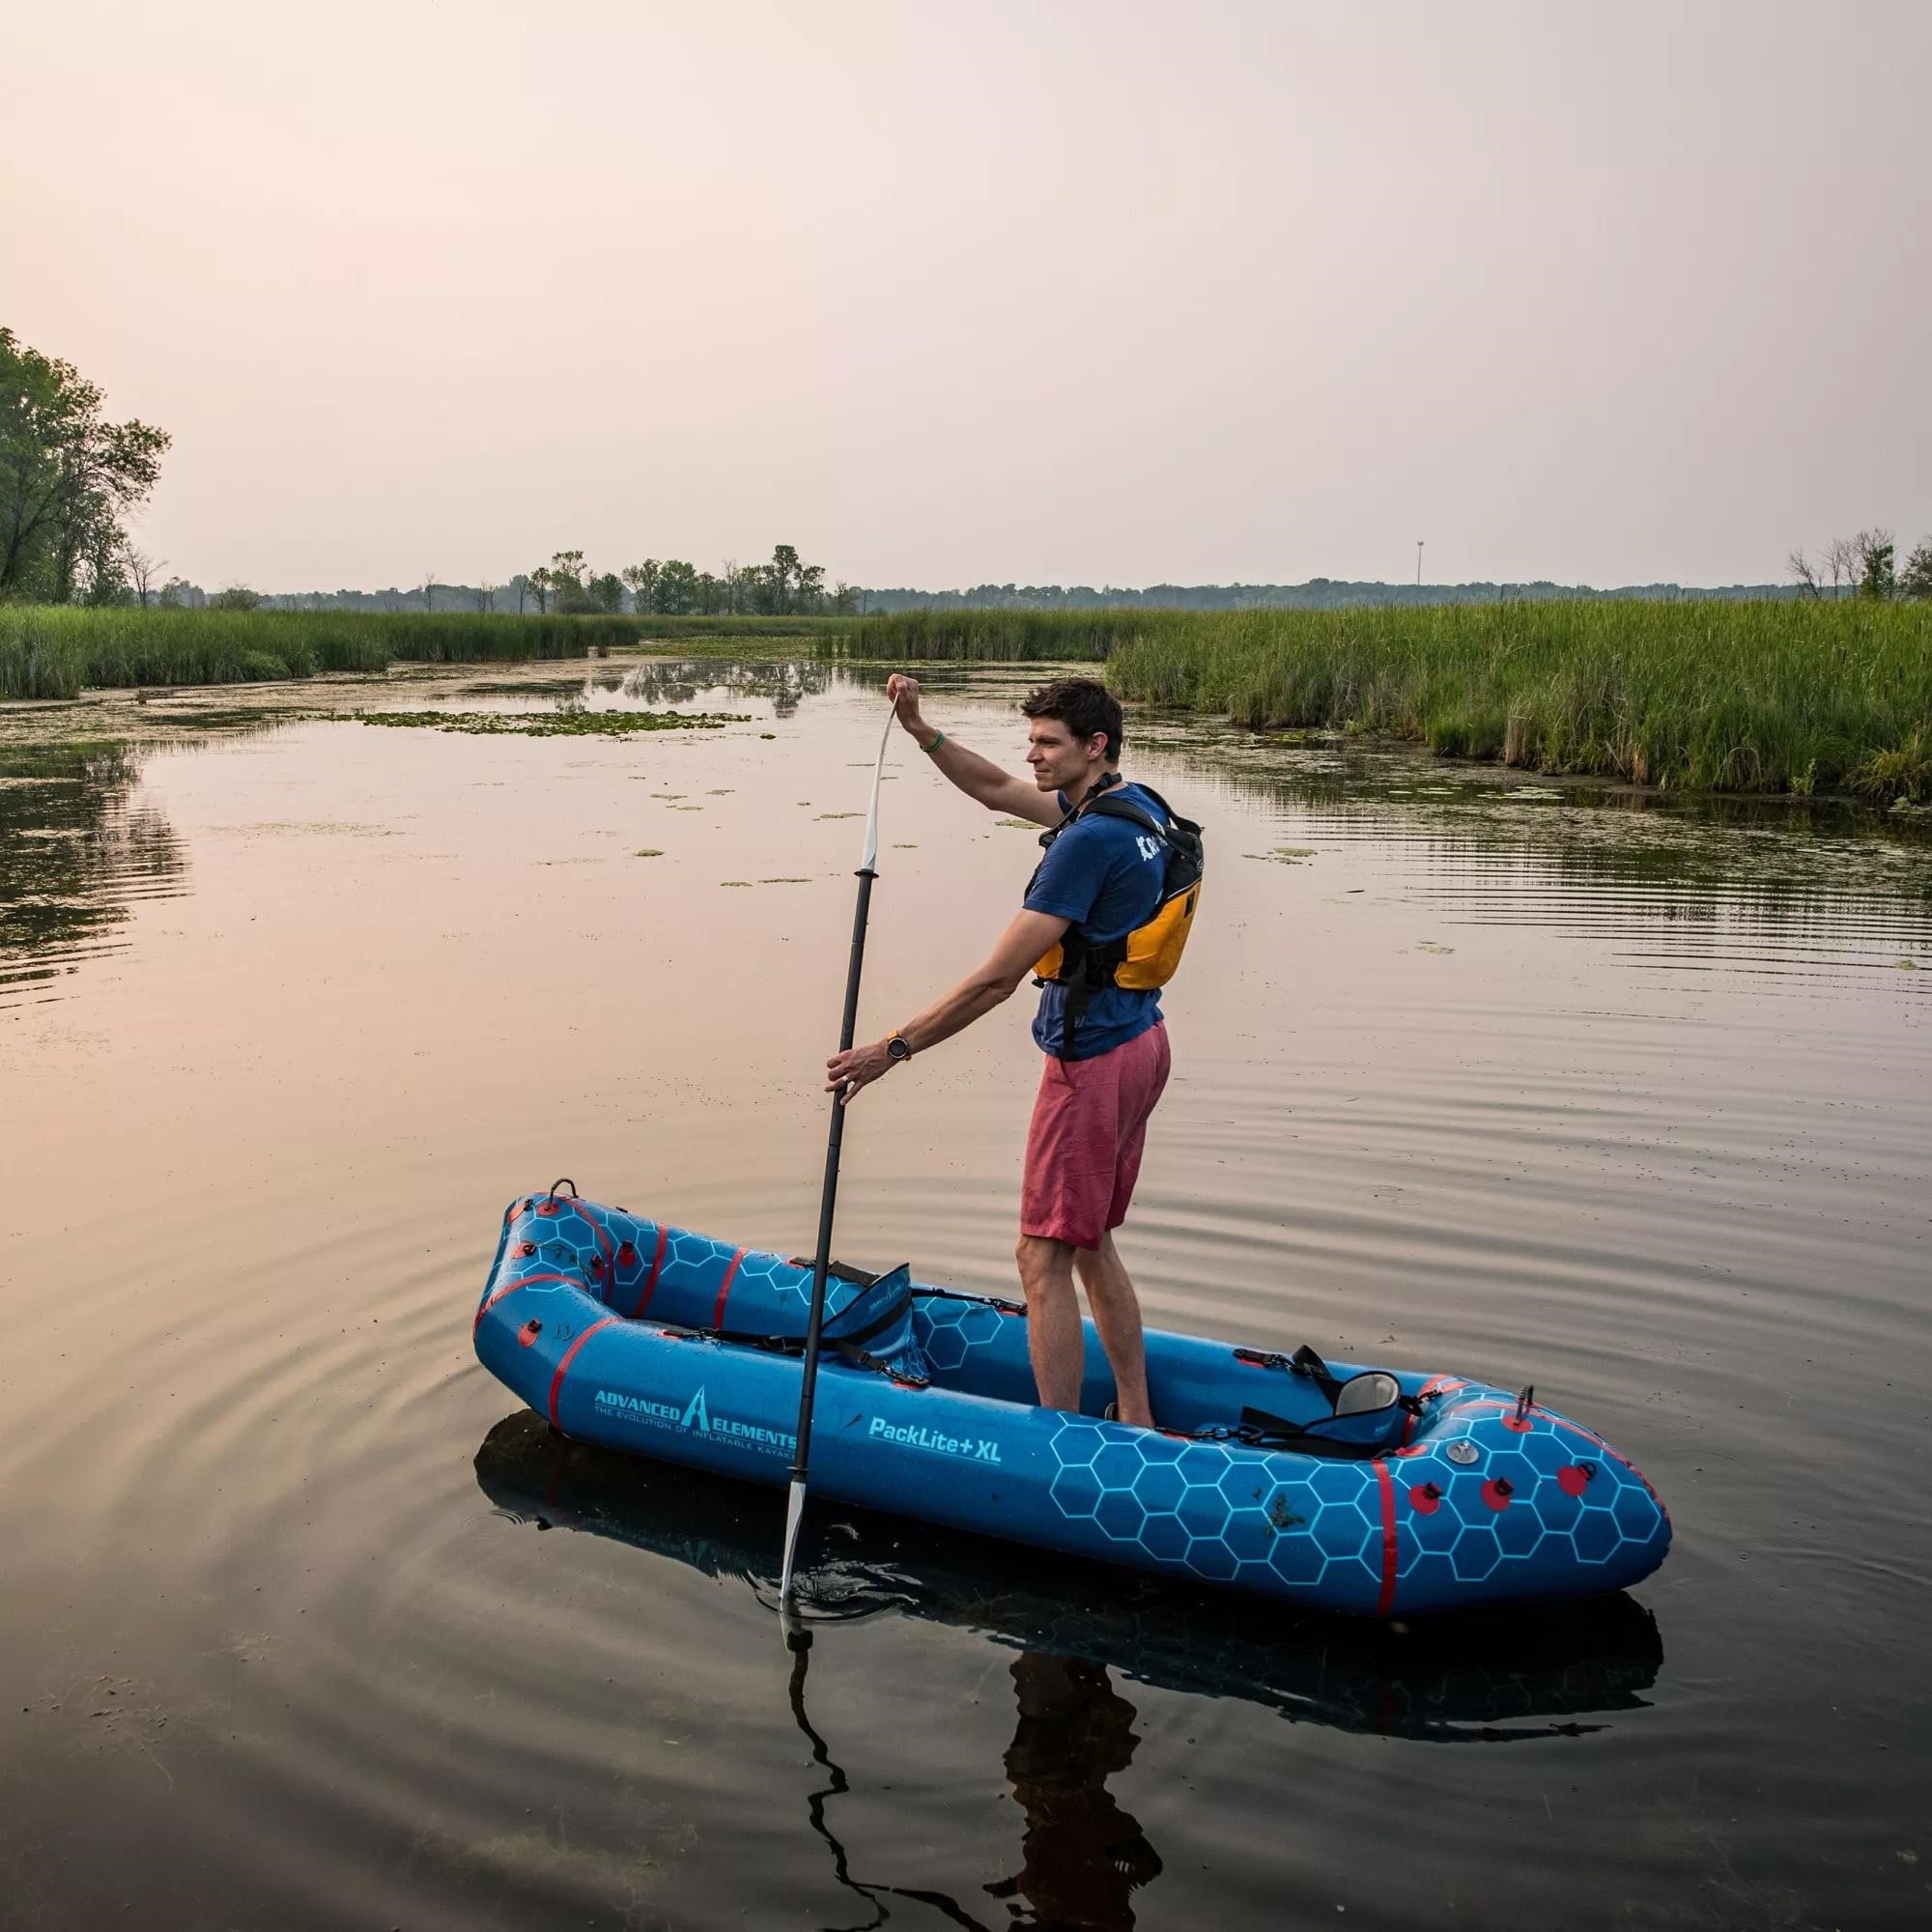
x=1082, y=1856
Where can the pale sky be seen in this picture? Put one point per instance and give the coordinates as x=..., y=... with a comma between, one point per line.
x=946, y=292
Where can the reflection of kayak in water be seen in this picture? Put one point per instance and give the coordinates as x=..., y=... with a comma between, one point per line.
x=1497, y=1675
x=1364, y=1491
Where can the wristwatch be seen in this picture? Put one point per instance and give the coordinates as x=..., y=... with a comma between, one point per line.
x=898, y=1049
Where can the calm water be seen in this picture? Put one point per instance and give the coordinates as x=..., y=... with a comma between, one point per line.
x=304, y=1625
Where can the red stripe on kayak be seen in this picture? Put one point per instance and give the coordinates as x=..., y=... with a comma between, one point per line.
x=569, y=1356
x=724, y=1289
x=510, y=1288
x=1387, y=1488
x=657, y=1268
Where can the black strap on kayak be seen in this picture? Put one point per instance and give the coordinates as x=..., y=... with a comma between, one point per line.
x=849, y=1351
x=842, y=1271
x=1307, y=1363
x=997, y=1302
x=1261, y=1429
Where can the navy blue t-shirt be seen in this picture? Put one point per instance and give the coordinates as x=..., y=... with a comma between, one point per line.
x=1104, y=874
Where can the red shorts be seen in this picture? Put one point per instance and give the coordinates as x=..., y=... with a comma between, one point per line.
x=1084, y=1147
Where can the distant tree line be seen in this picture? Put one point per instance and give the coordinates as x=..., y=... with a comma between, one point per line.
x=567, y=587
x=1866, y=565
x=1319, y=593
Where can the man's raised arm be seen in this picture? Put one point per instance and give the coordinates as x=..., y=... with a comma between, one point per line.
x=980, y=779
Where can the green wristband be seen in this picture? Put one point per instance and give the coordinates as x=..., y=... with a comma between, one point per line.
x=928, y=750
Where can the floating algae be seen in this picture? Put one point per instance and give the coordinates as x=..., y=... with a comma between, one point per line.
x=556, y=723
x=1285, y=855
x=648, y=852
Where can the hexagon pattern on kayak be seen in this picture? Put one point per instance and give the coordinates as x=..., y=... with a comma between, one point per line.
x=1216, y=1509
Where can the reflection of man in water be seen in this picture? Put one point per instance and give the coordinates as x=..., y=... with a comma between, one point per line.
x=1085, y=1857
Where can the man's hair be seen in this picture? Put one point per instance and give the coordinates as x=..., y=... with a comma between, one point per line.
x=1084, y=705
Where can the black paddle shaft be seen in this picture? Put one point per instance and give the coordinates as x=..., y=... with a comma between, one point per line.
x=827, y=1200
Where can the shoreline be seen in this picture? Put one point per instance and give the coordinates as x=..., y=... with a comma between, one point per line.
x=41, y=736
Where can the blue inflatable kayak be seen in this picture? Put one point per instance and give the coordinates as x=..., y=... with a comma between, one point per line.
x=1364, y=1491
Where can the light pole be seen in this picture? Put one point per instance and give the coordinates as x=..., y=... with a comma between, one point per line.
x=1418, y=563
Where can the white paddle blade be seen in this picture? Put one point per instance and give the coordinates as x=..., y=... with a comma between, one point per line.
x=794, y=1516
x=865, y=864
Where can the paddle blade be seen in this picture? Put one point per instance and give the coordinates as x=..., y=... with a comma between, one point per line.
x=794, y=1516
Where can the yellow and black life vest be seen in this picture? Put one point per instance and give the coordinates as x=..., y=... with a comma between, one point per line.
x=1148, y=956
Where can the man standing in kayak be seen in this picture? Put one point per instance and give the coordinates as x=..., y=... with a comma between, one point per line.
x=1102, y=878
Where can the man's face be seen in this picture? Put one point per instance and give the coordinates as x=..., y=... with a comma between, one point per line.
x=1059, y=759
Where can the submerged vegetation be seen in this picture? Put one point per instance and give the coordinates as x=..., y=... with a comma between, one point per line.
x=1794, y=696
x=572, y=723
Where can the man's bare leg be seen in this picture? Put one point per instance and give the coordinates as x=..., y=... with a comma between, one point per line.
x=1056, y=1341
x=1117, y=1314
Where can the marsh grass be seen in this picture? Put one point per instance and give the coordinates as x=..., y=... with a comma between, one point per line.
x=1794, y=696
x=55, y=651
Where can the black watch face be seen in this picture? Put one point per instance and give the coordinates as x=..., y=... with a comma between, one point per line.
x=898, y=1049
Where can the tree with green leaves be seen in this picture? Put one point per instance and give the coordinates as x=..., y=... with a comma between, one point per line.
x=606, y=591
x=642, y=578
x=540, y=582
x=1878, y=564
x=786, y=569
x=677, y=588
x=1916, y=578
x=67, y=477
